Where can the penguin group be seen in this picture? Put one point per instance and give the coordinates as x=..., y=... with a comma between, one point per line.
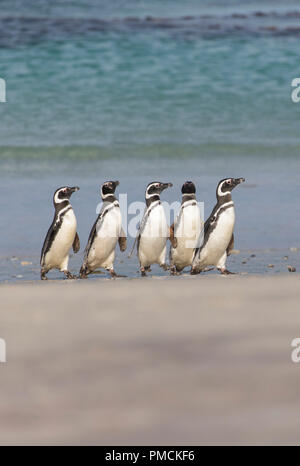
x=192, y=244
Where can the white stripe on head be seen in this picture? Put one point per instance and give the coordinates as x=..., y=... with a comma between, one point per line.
x=220, y=192
x=156, y=184
x=56, y=199
x=111, y=187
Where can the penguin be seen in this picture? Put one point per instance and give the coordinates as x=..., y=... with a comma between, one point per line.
x=185, y=231
x=61, y=235
x=218, y=237
x=106, y=232
x=153, y=232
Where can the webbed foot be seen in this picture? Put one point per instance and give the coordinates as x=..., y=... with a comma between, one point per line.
x=69, y=275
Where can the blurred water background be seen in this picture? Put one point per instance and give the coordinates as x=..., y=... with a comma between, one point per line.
x=144, y=90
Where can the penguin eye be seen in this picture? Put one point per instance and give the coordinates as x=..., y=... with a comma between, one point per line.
x=228, y=182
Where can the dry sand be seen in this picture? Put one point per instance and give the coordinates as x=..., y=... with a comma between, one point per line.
x=198, y=360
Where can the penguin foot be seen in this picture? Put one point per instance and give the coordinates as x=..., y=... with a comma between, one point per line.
x=195, y=271
x=43, y=275
x=226, y=272
x=116, y=275
x=113, y=273
x=148, y=269
x=208, y=269
x=164, y=266
x=83, y=274
x=143, y=272
x=174, y=271
x=69, y=275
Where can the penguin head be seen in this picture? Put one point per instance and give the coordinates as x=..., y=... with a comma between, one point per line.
x=227, y=185
x=108, y=188
x=155, y=188
x=188, y=188
x=64, y=194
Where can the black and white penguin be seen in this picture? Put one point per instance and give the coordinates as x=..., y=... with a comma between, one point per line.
x=185, y=231
x=106, y=232
x=61, y=235
x=154, y=231
x=218, y=240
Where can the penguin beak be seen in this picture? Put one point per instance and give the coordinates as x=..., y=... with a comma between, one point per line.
x=73, y=190
x=165, y=186
x=117, y=183
x=239, y=181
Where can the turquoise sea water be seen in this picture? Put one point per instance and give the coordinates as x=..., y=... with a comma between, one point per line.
x=142, y=90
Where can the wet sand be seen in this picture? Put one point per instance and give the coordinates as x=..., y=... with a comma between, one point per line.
x=195, y=360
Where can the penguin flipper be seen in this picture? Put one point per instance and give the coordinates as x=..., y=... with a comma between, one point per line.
x=209, y=223
x=93, y=232
x=76, y=243
x=49, y=239
x=139, y=232
x=90, y=241
x=230, y=246
x=122, y=241
x=138, y=239
x=172, y=238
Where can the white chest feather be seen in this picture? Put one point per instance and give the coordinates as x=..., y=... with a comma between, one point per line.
x=219, y=238
x=156, y=224
x=108, y=231
x=187, y=231
x=63, y=241
x=111, y=223
x=154, y=236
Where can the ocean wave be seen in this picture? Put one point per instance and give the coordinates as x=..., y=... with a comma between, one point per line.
x=16, y=31
x=147, y=151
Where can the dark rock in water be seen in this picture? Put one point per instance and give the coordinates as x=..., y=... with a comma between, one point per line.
x=291, y=269
x=253, y=255
x=293, y=14
x=132, y=18
x=269, y=28
x=239, y=16
x=259, y=14
x=292, y=29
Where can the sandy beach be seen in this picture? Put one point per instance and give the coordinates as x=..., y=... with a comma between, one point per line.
x=195, y=360
x=163, y=92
